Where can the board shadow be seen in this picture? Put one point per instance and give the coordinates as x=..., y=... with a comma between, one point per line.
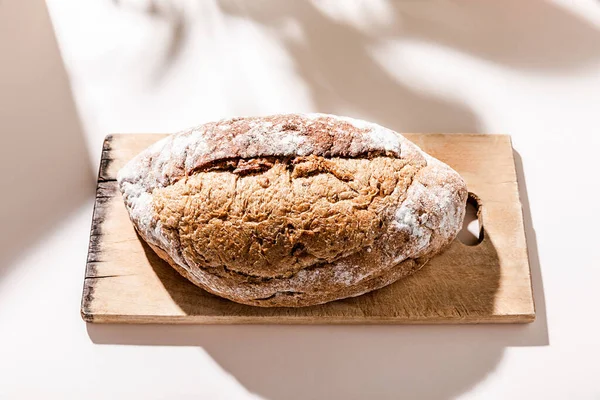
x=541, y=323
x=350, y=362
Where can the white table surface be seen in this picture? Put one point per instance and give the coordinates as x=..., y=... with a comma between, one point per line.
x=73, y=72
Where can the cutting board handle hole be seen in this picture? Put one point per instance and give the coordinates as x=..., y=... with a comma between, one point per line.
x=471, y=233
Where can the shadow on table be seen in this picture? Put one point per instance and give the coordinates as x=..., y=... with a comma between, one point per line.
x=334, y=58
x=541, y=323
x=349, y=362
x=45, y=166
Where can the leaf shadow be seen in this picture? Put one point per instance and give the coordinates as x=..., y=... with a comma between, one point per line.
x=46, y=168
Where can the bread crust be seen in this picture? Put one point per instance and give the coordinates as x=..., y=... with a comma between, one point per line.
x=292, y=210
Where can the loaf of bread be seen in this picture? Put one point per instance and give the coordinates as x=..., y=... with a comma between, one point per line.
x=292, y=210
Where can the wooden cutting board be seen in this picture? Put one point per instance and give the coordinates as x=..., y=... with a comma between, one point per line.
x=125, y=282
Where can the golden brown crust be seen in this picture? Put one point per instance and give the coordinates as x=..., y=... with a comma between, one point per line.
x=266, y=217
x=293, y=299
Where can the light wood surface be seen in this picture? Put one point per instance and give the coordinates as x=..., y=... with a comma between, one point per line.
x=125, y=282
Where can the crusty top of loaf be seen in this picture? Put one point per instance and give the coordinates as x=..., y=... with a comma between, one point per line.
x=426, y=208
x=287, y=135
x=282, y=135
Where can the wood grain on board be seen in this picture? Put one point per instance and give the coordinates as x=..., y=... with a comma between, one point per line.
x=126, y=282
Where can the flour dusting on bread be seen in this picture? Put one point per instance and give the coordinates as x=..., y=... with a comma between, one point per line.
x=292, y=210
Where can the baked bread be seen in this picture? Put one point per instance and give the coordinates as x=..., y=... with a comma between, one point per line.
x=292, y=210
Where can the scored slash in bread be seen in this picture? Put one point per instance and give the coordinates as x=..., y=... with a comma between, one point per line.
x=292, y=210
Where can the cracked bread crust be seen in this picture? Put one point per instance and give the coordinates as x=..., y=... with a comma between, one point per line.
x=292, y=210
